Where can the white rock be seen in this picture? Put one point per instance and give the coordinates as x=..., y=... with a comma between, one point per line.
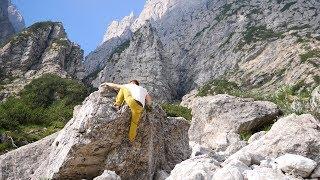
x=256, y=136
x=197, y=168
x=108, y=175
x=296, y=164
x=231, y=171
x=198, y=150
x=263, y=173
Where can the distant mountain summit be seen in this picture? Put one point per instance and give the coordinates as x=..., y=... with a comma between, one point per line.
x=15, y=17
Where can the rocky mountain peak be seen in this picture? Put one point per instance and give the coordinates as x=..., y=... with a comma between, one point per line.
x=39, y=49
x=6, y=28
x=119, y=28
x=15, y=17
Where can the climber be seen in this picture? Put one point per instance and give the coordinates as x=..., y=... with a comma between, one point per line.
x=136, y=97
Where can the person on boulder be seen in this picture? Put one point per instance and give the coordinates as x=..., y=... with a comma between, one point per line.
x=136, y=97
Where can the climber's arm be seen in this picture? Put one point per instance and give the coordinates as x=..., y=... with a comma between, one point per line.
x=112, y=85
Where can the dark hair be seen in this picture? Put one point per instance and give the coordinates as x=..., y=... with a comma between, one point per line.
x=135, y=82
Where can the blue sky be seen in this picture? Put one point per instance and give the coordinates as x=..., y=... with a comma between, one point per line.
x=84, y=20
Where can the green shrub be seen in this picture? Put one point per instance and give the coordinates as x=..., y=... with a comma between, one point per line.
x=44, y=91
x=44, y=107
x=175, y=110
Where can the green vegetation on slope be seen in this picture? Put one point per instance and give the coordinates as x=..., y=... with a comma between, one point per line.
x=287, y=6
x=44, y=107
x=175, y=110
x=290, y=99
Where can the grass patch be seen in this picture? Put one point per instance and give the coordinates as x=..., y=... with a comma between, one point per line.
x=259, y=33
x=224, y=12
x=44, y=106
x=254, y=34
x=218, y=86
x=315, y=53
x=227, y=41
x=300, y=27
x=61, y=42
x=201, y=32
x=245, y=136
x=287, y=6
x=175, y=110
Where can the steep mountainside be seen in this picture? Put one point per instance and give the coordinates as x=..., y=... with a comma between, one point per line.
x=261, y=45
x=40, y=49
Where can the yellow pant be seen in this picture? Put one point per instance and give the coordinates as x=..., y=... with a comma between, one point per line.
x=136, y=110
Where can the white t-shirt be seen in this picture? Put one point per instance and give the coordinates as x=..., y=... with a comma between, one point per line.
x=137, y=92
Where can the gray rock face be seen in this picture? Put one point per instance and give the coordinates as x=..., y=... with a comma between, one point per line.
x=15, y=17
x=296, y=165
x=40, y=49
x=256, y=43
x=294, y=134
x=96, y=139
x=6, y=28
x=151, y=67
x=217, y=120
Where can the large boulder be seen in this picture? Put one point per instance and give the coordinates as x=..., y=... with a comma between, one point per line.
x=96, y=139
x=293, y=134
x=218, y=120
x=296, y=165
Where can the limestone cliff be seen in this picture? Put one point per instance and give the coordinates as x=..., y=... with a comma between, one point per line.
x=259, y=44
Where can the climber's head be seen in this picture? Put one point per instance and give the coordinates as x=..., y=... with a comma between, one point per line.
x=136, y=82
